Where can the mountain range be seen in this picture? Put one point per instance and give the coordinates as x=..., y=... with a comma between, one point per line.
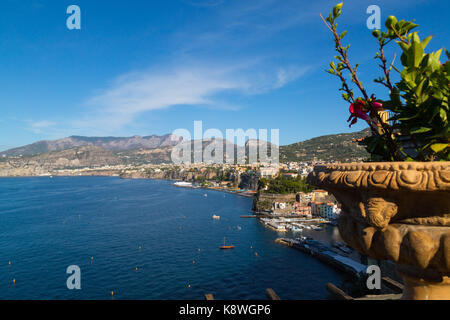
x=106, y=143
x=78, y=151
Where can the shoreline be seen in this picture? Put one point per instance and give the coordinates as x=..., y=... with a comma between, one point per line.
x=237, y=193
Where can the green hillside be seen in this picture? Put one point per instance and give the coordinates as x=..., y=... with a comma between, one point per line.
x=337, y=147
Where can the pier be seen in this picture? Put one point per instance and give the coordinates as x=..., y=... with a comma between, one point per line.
x=325, y=254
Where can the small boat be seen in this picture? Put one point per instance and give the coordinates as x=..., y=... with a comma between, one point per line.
x=225, y=247
x=215, y=217
x=183, y=184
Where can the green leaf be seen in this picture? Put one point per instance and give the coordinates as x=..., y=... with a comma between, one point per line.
x=337, y=10
x=346, y=96
x=409, y=26
x=403, y=45
x=417, y=51
x=438, y=147
x=420, y=130
x=404, y=59
x=443, y=115
x=425, y=41
x=421, y=97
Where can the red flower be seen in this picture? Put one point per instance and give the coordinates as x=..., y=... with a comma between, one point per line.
x=357, y=110
x=376, y=105
x=360, y=110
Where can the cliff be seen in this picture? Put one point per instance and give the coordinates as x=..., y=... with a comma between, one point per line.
x=263, y=201
x=81, y=157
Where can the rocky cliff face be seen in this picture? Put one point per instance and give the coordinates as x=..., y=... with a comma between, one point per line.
x=169, y=174
x=80, y=157
x=249, y=180
x=263, y=201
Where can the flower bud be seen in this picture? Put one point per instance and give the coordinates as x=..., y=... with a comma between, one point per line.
x=390, y=22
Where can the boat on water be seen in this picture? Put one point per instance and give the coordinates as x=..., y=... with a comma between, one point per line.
x=225, y=247
x=215, y=217
x=182, y=184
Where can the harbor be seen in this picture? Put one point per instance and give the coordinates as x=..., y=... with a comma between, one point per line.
x=315, y=236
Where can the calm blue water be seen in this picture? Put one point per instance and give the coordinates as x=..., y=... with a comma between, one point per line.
x=48, y=224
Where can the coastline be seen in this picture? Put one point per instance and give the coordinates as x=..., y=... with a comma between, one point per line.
x=118, y=175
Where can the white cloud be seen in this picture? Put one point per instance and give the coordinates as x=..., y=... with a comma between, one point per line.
x=39, y=127
x=286, y=75
x=192, y=85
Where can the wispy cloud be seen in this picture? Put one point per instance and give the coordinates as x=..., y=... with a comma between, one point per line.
x=289, y=74
x=194, y=85
x=40, y=127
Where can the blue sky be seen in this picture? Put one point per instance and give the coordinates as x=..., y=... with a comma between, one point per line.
x=150, y=67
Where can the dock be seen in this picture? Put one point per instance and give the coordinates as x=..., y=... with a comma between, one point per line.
x=339, y=294
x=325, y=254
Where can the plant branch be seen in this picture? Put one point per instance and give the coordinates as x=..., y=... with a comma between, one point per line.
x=347, y=65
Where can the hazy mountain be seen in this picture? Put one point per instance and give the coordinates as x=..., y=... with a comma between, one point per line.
x=106, y=143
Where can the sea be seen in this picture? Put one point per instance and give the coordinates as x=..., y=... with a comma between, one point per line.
x=143, y=239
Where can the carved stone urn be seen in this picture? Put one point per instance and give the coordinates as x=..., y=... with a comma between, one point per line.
x=398, y=211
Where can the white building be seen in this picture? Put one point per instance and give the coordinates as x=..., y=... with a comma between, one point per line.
x=268, y=172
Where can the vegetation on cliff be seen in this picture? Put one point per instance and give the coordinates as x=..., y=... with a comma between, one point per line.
x=284, y=185
x=335, y=147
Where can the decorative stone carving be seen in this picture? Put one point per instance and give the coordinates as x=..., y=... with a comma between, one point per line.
x=397, y=211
